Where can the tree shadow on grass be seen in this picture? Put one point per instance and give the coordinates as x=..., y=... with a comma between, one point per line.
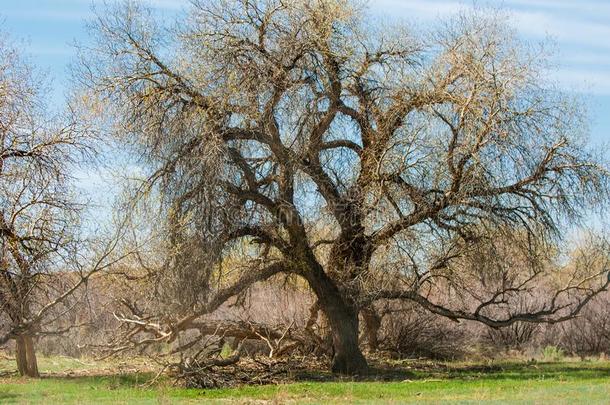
x=109, y=381
x=382, y=371
x=417, y=370
x=126, y=379
x=503, y=371
x=6, y=396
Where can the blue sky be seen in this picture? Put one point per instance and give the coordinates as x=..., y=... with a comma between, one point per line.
x=580, y=30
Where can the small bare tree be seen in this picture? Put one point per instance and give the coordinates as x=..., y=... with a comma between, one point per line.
x=269, y=120
x=41, y=251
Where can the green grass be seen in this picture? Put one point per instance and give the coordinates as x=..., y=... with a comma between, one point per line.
x=420, y=382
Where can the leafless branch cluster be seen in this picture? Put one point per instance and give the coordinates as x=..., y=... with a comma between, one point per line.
x=291, y=137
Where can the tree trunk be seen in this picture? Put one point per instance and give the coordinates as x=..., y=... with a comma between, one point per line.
x=372, y=323
x=21, y=355
x=343, y=321
x=347, y=357
x=27, y=364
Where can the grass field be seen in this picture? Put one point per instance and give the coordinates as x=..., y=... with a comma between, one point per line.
x=75, y=382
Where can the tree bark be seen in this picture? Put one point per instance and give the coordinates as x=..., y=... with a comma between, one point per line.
x=32, y=361
x=27, y=364
x=347, y=357
x=343, y=320
x=20, y=355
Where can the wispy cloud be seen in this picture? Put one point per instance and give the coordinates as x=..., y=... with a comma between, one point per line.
x=578, y=7
x=566, y=30
x=581, y=30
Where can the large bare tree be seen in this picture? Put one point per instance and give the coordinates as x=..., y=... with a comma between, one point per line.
x=371, y=161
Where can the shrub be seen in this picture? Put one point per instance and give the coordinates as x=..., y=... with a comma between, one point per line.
x=410, y=331
x=553, y=353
